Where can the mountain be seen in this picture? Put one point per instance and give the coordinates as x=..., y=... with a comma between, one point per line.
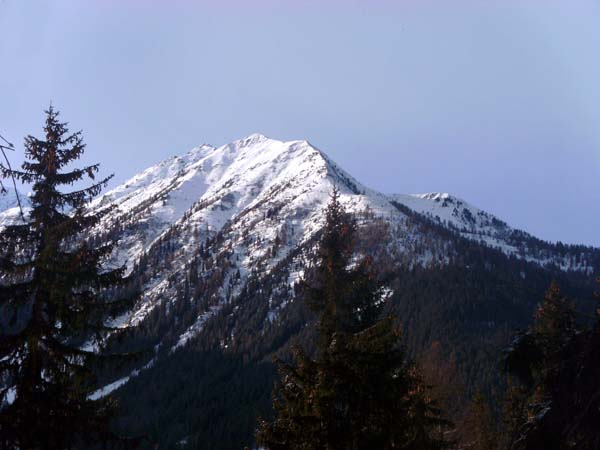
x=9, y=205
x=215, y=241
x=262, y=199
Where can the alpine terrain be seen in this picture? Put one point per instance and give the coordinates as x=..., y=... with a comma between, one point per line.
x=216, y=240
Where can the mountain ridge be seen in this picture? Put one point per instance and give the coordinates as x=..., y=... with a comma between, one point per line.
x=247, y=184
x=256, y=190
x=216, y=240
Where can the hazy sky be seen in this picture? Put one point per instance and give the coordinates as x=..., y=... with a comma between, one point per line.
x=495, y=101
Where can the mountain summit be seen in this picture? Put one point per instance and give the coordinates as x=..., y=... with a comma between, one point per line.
x=258, y=193
x=216, y=240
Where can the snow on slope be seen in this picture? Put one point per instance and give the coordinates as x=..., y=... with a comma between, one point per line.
x=451, y=210
x=470, y=221
x=9, y=206
x=237, y=176
x=264, y=198
x=483, y=227
x=209, y=187
x=214, y=185
x=253, y=203
x=8, y=199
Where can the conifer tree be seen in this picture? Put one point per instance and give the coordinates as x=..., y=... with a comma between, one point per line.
x=513, y=411
x=536, y=351
x=360, y=391
x=55, y=295
x=481, y=432
x=554, y=321
x=557, y=406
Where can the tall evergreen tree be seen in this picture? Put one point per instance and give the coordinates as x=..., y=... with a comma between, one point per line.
x=554, y=321
x=360, y=391
x=481, y=432
x=514, y=413
x=55, y=295
x=559, y=368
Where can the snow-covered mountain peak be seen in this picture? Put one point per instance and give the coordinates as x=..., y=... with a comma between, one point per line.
x=226, y=215
x=9, y=206
x=453, y=211
x=241, y=183
x=211, y=186
x=254, y=138
x=199, y=152
x=9, y=200
x=435, y=196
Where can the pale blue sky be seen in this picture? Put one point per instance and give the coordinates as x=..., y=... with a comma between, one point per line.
x=496, y=101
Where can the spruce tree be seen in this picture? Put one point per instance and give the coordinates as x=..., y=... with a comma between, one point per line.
x=55, y=295
x=513, y=411
x=360, y=391
x=557, y=405
x=481, y=432
x=554, y=321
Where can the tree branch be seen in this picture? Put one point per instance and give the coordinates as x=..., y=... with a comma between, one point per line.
x=10, y=146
